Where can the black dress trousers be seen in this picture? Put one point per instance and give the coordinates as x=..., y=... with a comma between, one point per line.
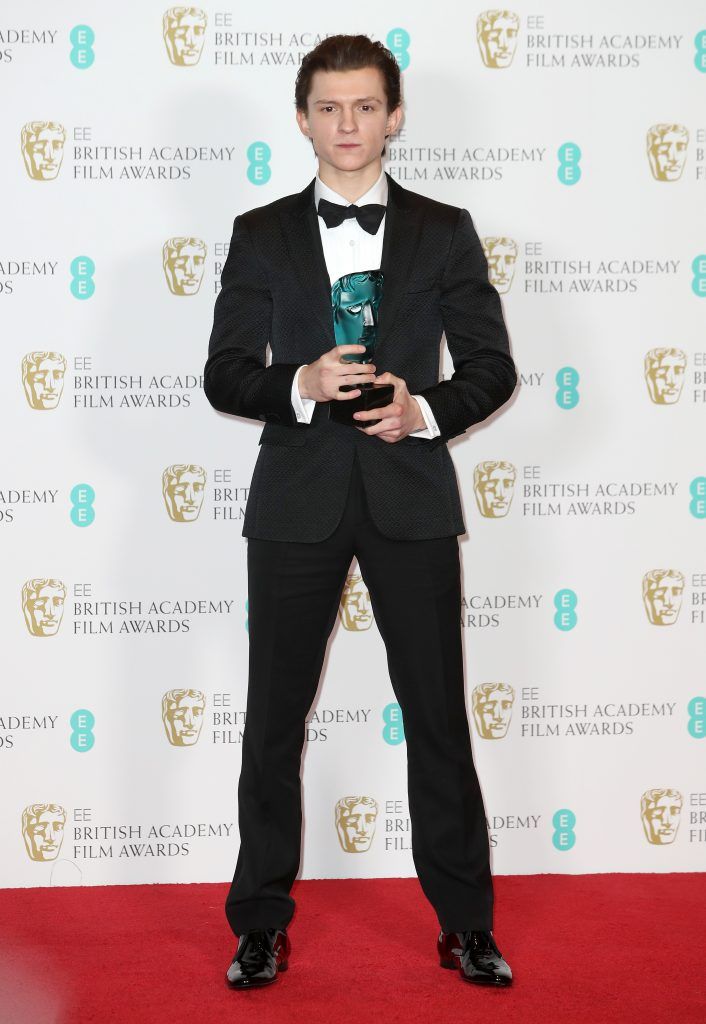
x=294, y=590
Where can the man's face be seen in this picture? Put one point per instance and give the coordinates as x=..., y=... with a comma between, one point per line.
x=187, y=266
x=347, y=118
x=358, y=827
x=186, y=495
x=497, y=491
x=46, y=382
x=667, y=379
x=665, y=599
x=184, y=720
x=668, y=155
x=501, y=266
x=663, y=820
x=493, y=714
x=356, y=612
x=45, y=150
x=45, y=834
x=45, y=610
x=356, y=318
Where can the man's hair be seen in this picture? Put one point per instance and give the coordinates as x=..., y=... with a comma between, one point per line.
x=348, y=53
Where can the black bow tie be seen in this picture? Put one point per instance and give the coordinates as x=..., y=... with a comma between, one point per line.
x=368, y=216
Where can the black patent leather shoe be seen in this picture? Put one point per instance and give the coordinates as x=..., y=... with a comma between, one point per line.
x=260, y=955
x=476, y=956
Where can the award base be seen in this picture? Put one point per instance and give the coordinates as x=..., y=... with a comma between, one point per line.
x=372, y=396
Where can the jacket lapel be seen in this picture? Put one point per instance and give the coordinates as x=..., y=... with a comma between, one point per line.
x=403, y=222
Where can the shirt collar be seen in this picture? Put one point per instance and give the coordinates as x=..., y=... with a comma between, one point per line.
x=377, y=193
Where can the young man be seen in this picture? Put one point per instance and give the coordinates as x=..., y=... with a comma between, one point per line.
x=324, y=491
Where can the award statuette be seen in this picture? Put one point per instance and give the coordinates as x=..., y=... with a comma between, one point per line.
x=355, y=299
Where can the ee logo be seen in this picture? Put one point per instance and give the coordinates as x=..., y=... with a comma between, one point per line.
x=564, y=836
x=393, y=730
x=82, y=738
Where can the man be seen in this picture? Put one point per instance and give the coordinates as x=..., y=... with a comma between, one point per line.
x=383, y=490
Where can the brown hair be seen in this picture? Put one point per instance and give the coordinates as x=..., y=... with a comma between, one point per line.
x=348, y=53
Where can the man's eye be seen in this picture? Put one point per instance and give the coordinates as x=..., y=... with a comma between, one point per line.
x=354, y=310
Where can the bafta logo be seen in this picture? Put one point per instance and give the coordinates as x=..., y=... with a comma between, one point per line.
x=42, y=145
x=660, y=810
x=355, y=610
x=497, y=32
x=492, y=709
x=43, y=606
x=184, y=29
x=183, y=260
x=494, y=486
x=183, y=486
x=664, y=374
x=182, y=715
x=666, y=150
x=501, y=254
x=43, y=378
x=355, y=822
x=662, y=591
x=43, y=830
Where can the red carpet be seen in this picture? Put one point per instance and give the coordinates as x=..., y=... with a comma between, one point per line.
x=588, y=948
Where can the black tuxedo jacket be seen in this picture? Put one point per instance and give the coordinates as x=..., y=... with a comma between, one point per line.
x=275, y=289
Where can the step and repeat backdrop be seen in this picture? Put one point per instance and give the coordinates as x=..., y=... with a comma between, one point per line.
x=576, y=137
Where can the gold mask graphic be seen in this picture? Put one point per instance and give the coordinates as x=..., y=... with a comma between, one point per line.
x=496, y=32
x=183, y=261
x=660, y=810
x=42, y=144
x=664, y=374
x=184, y=30
x=43, y=605
x=492, y=709
x=43, y=378
x=182, y=715
x=666, y=150
x=43, y=830
x=183, y=486
x=355, y=610
x=494, y=486
x=662, y=591
x=501, y=254
x=355, y=822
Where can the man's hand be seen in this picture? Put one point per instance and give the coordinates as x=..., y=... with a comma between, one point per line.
x=321, y=379
x=399, y=418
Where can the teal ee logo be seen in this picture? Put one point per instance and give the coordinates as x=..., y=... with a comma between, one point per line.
x=698, y=283
x=700, y=55
x=82, y=512
x=393, y=730
x=569, y=169
x=82, y=738
x=697, y=717
x=563, y=836
x=82, y=270
x=259, y=155
x=398, y=41
x=565, y=617
x=567, y=396
x=697, y=490
x=82, y=38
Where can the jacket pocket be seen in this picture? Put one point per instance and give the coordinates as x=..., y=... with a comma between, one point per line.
x=272, y=433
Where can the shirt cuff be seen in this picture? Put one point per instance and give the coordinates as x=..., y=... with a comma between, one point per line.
x=432, y=428
x=303, y=407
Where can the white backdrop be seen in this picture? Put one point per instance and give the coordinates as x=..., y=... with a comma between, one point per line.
x=576, y=138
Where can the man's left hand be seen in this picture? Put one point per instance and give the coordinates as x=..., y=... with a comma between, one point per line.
x=399, y=418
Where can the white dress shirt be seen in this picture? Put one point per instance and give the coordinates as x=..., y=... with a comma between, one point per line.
x=349, y=249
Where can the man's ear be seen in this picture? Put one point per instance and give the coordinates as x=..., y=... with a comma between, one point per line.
x=303, y=123
x=393, y=120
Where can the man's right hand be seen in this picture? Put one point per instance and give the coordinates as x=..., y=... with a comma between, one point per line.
x=321, y=379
